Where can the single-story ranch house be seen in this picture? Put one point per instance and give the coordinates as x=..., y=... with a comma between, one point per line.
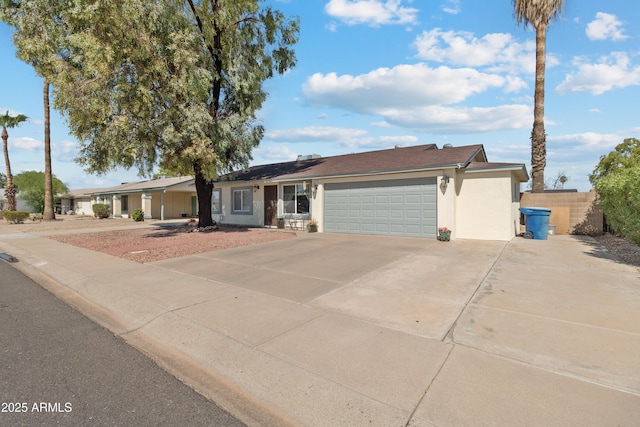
x=163, y=198
x=404, y=191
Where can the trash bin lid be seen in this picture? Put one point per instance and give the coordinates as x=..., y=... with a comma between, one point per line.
x=535, y=211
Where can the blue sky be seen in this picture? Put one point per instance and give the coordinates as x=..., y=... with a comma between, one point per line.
x=373, y=74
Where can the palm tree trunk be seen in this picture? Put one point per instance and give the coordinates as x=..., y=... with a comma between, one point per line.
x=9, y=189
x=538, y=135
x=49, y=213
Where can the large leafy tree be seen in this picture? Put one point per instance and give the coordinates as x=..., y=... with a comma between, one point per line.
x=625, y=156
x=32, y=188
x=616, y=178
x=7, y=122
x=169, y=83
x=538, y=14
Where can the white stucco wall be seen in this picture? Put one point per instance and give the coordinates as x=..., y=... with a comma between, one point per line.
x=255, y=219
x=479, y=205
x=487, y=205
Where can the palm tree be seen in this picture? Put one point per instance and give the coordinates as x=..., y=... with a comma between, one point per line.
x=49, y=213
x=538, y=14
x=7, y=121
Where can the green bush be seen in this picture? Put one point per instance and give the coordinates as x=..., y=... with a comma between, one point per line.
x=16, y=217
x=619, y=197
x=100, y=210
x=138, y=215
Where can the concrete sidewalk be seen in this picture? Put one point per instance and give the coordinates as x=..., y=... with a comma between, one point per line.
x=330, y=330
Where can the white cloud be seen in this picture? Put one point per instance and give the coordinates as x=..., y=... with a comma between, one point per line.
x=452, y=7
x=415, y=97
x=314, y=134
x=24, y=143
x=438, y=119
x=345, y=137
x=65, y=151
x=378, y=142
x=371, y=12
x=585, y=141
x=404, y=86
x=499, y=52
x=605, y=27
x=579, y=154
x=280, y=153
x=612, y=72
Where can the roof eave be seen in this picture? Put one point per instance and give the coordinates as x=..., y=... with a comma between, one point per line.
x=351, y=174
x=524, y=175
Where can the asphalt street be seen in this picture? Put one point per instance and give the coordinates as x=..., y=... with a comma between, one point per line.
x=57, y=367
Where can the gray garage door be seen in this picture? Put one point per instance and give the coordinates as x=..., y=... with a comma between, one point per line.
x=400, y=207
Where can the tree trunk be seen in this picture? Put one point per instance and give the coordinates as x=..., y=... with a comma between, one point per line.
x=9, y=189
x=204, y=188
x=538, y=135
x=49, y=213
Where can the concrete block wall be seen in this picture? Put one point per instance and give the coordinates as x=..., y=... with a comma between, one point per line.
x=583, y=215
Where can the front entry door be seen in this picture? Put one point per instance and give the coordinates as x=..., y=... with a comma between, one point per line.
x=271, y=205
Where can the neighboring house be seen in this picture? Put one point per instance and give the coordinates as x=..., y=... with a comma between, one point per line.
x=406, y=191
x=77, y=202
x=163, y=198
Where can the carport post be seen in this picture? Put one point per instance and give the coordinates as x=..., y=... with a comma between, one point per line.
x=162, y=204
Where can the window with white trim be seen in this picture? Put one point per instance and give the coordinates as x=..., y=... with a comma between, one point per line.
x=296, y=199
x=242, y=201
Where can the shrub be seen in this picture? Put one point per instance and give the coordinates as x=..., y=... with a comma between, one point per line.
x=138, y=215
x=100, y=210
x=16, y=217
x=619, y=197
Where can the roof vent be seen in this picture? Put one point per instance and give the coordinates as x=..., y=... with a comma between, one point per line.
x=309, y=156
x=447, y=145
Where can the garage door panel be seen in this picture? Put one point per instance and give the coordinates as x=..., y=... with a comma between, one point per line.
x=368, y=199
x=397, y=198
x=413, y=199
x=413, y=214
x=397, y=214
x=398, y=207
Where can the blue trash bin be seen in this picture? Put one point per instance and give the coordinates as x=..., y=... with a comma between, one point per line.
x=537, y=222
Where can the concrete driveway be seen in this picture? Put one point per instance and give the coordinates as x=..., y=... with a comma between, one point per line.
x=413, y=285
x=346, y=330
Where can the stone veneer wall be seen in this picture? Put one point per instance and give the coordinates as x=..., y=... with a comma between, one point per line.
x=571, y=213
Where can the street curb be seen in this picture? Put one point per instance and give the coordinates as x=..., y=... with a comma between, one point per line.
x=207, y=383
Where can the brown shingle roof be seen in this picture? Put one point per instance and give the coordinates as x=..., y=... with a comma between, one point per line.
x=419, y=157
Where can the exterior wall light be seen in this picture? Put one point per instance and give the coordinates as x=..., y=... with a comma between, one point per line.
x=444, y=182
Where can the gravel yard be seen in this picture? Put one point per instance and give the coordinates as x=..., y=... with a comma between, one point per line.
x=155, y=243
